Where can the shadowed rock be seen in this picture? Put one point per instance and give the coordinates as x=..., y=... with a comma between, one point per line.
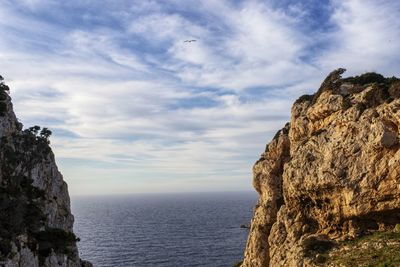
x=36, y=224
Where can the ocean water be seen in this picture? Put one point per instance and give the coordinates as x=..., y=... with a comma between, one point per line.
x=199, y=229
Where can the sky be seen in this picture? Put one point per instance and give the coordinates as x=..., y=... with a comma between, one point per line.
x=135, y=109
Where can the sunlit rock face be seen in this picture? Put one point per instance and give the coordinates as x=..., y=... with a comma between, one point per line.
x=331, y=174
x=35, y=217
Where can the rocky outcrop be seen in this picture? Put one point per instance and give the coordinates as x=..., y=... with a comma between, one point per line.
x=331, y=174
x=35, y=217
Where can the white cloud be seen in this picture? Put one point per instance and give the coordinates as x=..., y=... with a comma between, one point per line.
x=137, y=109
x=367, y=37
x=160, y=27
x=258, y=46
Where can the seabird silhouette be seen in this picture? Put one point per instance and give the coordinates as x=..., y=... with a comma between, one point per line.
x=189, y=41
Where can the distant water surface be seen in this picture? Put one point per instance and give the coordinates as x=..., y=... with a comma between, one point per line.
x=200, y=229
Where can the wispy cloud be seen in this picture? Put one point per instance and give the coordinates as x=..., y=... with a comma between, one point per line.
x=366, y=37
x=134, y=108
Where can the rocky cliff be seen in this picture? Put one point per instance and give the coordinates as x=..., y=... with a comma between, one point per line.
x=329, y=181
x=35, y=216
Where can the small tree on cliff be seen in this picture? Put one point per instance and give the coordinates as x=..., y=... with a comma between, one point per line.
x=3, y=86
x=45, y=133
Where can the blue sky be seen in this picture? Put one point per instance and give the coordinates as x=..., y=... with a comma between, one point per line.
x=135, y=109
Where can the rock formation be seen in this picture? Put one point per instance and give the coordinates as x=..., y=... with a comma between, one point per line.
x=331, y=174
x=35, y=216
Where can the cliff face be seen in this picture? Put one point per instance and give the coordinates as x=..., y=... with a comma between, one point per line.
x=331, y=174
x=35, y=216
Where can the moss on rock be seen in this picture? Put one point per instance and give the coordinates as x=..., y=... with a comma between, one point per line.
x=376, y=249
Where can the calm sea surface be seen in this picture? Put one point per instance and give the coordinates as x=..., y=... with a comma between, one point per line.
x=200, y=229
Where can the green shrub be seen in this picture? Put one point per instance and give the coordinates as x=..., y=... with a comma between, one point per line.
x=304, y=98
x=3, y=86
x=5, y=248
x=3, y=95
x=389, y=88
x=55, y=239
x=3, y=109
x=366, y=78
x=394, y=90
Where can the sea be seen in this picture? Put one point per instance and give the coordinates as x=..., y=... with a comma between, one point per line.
x=196, y=229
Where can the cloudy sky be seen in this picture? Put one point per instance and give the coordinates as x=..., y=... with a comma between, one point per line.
x=133, y=108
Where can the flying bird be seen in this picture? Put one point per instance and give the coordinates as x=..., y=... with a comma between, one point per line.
x=189, y=41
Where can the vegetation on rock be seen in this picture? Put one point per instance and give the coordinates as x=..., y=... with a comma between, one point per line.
x=22, y=203
x=381, y=249
x=3, y=96
x=35, y=217
x=331, y=175
x=54, y=239
x=370, y=78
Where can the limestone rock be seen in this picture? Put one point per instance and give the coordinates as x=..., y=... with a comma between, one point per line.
x=36, y=224
x=331, y=174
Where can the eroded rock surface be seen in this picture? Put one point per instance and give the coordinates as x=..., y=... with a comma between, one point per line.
x=331, y=174
x=36, y=224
